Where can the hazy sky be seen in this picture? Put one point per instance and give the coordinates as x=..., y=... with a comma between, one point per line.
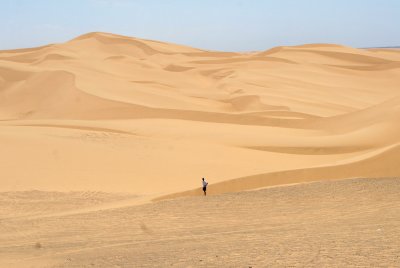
x=233, y=25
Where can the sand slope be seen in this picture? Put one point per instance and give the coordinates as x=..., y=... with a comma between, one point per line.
x=113, y=113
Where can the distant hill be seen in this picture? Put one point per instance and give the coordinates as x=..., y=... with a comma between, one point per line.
x=382, y=47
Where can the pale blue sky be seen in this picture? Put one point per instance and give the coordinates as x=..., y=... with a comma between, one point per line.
x=230, y=25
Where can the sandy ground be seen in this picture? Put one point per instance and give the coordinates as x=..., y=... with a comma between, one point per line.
x=94, y=128
x=348, y=223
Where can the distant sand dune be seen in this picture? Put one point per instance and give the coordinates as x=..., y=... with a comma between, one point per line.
x=125, y=114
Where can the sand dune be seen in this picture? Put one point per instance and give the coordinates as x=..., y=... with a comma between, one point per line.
x=93, y=127
x=157, y=117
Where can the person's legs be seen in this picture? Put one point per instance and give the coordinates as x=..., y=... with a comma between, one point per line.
x=204, y=190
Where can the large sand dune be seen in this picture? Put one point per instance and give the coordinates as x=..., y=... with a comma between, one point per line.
x=113, y=113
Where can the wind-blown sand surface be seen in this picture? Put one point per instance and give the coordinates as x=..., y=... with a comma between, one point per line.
x=348, y=223
x=122, y=121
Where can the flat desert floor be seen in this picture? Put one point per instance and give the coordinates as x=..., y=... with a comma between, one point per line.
x=105, y=138
x=347, y=223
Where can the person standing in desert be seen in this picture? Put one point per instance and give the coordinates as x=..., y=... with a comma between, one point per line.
x=205, y=183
